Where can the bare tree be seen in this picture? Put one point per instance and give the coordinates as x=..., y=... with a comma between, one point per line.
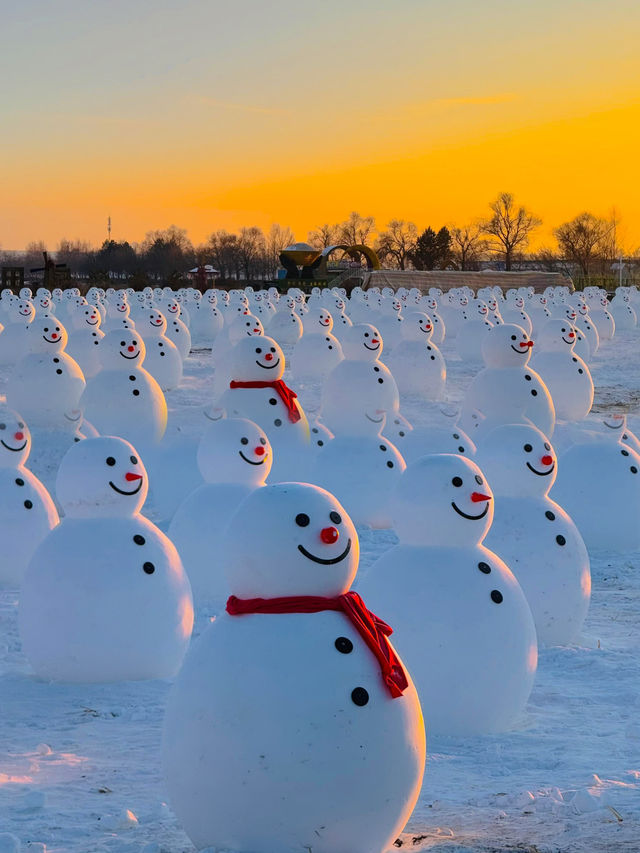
x=468, y=246
x=509, y=227
x=357, y=229
x=324, y=236
x=396, y=244
x=585, y=240
x=276, y=240
x=251, y=252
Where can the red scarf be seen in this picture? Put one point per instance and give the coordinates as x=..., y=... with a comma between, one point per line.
x=372, y=629
x=287, y=396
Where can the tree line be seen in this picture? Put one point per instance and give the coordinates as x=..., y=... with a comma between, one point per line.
x=586, y=245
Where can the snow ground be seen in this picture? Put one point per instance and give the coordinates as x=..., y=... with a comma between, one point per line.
x=80, y=765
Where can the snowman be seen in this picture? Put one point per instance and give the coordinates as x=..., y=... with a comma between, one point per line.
x=513, y=313
x=85, y=338
x=416, y=362
x=234, y=458
x=162, y=358
x=473, y=330
x=286, y=327
x=118, y=315
x=563, y=372
x=318, y=351
x=294, y=695
x=599, y=486
x=622, y=312
x=463, y=623
x=105, y=597
x=602, y=319
x=13, y=335
x=429, y=305
x=123, y=398
x=533, y=535
x=428, y=439
x=257, y=392
x=507, y=390
x=177, y=331
x=46, y=385
x=583, y=324
x=28, y=513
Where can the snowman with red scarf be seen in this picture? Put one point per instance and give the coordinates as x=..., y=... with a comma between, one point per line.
x=258, y=392
x=293, y=724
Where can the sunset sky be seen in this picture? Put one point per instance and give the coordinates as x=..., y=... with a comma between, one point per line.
x=213, y=114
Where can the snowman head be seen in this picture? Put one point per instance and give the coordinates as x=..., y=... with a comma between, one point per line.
x=290, y=539
x=442, y=500
x=519, y=460
x=317, y=321
x=616, y=423
x=15, y=439
x=417, y=326
x=557, y=336
x=122, y=349
x=245, y=326
x=46, y=335
x=24, y=311
x=86, y=317
x=235, y=450
x=362, y=342
x=257, y=359
x=172, y=307
x=118, y=308
x=506, y=346
x=153, y=323
x=101, y=477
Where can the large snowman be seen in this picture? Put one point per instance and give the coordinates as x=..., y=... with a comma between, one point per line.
x=507, y=390
x=105, y=597
x=28, y=513
x=462, y=621
x=46, y=385
x=123, y=398
x=533, y=534
x=293, y=725
x=234, y=457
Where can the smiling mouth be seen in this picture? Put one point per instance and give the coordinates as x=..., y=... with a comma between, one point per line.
x=157, y=324
x=605, y=423
x=323, y=324
x=541, y=473
x=121, y=492
x=520, y=351
x=373, y=420
x=377, y=346
x=73, y=420
x=332, y=562
x=268, y=366
x=129, y=357
x=95, y=323
x=13, y=449
x=568, y=341
x=470, y=517
x=261, y=462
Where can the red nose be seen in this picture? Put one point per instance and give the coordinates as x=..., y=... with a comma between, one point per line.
x=259, y=451
x=18, y=436
x=374, y=341
x=268, y=357
x=428, y=328
x=477, y=497
x=571, y=335
x=54, y=336
x=530, y=344
x=256, y=331
x=129, y=477
x=130, y=349
x=329, y=535
x=547, y=460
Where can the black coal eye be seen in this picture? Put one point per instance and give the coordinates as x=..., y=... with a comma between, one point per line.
x=134, y=460
x=244, y=441
x=3, y=426
x=263, y=441
x=335, y=517
x=528, y=448
x=478, y=479
x=457, y=482
x=366, y=334
x=302, y=519
x=46, y=328
x=513, y=337
x=123, y=343
x=564, y=330
x=135, y=343
x=110, y=460
x=547, y=446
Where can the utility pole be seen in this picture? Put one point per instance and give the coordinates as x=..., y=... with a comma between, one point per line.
x=109, y=228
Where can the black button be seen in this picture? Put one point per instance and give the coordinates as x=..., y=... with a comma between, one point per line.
x=58, y=370
x=56, y=360
x=149, y=568
x=19, y=481
x=277, y=422
x=273, y=401
x=534, y=393
x=550, y=515
x=139, y=540
x=132, y=378
x=485, y=568
x=389, y=464
x=527, y=377
x=359, y=696
x=28, y=504
x=580, y=370
x=496, y=596
x=380, y=380
x=136, y=392
x=561, y=540
x=344, y=645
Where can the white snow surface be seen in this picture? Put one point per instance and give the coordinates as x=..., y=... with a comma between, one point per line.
x=80, y=764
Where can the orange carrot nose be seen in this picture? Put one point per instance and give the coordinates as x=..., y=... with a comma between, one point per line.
x=477, y=497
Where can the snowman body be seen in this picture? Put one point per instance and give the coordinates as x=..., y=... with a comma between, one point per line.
x=83, y=348
x=564, y=373
x=272, y=709
x=602, y=320
x=13, y=337
x=623, y=314
x=518, y=317
x=162, y=359
x=315, y=355
x=416, y=362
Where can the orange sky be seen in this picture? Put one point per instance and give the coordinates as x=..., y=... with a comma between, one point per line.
x=211, y=117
